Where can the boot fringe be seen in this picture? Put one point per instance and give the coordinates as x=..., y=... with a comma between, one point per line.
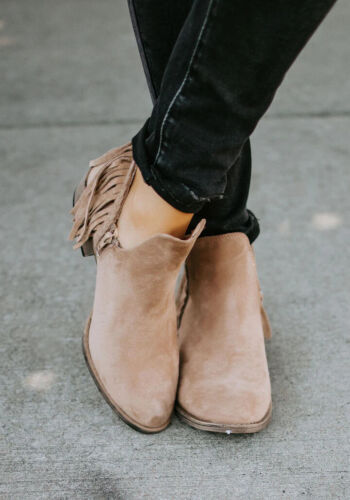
x=97, y=210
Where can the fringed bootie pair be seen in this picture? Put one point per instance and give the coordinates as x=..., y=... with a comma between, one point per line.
x=215, y=369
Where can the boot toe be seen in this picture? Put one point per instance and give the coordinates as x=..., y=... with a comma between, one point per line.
x=226, y=406
x=153, y=416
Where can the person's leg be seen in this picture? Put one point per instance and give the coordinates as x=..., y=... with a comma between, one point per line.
x=157, y=27
x=226, y=65
x=187, y=148
x=209, y=102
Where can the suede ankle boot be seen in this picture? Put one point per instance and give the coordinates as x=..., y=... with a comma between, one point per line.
x=224, y=383
x=130, y=341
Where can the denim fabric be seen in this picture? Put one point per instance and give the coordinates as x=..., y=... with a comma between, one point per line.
x=213, y=67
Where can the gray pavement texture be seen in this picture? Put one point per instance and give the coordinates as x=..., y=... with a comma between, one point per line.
x=71, y=87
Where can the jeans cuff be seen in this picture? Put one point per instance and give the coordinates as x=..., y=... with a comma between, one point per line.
x=176, y=194
x=250, y=227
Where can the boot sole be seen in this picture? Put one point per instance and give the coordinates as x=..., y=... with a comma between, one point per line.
x=93, y=372
x=224, y=428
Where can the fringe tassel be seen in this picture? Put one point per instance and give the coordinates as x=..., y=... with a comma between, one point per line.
x=97, y=210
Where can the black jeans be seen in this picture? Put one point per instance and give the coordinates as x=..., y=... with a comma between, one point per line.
x=213, y=67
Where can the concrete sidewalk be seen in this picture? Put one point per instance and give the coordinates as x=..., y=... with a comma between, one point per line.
x=71, y=87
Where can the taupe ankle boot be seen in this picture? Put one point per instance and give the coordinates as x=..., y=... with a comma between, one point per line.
x=224, y=383
x=130, y=341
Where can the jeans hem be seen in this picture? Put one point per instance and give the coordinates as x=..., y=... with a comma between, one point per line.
x=250, y=228
x=186, y=201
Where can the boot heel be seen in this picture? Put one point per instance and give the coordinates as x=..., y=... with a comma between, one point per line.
x=87, y=249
